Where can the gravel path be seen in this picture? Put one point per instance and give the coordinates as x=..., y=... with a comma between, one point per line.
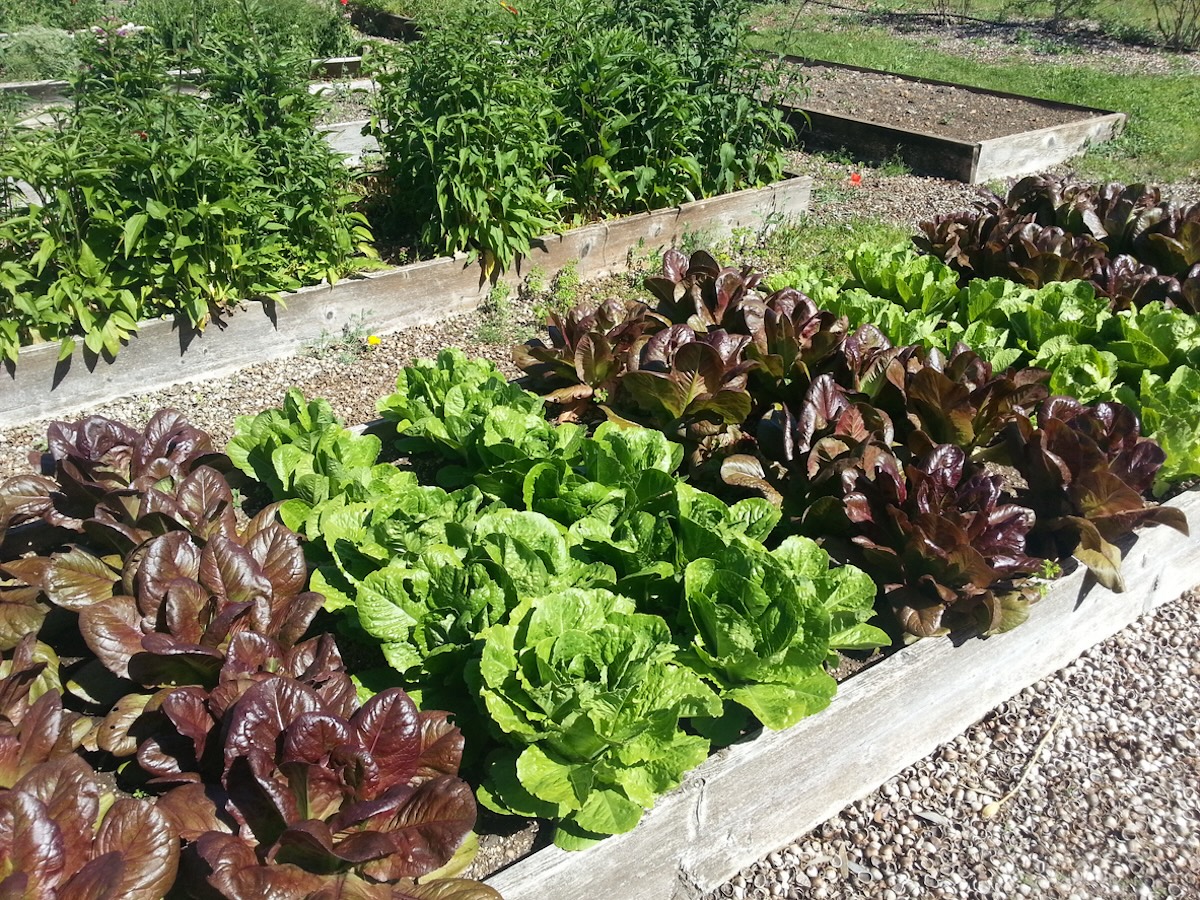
x=1109, y=809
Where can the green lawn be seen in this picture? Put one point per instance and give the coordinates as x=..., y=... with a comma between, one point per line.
x=1161, y=141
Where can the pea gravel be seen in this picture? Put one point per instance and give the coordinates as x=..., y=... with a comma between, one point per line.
x=1111, y=805
x=1109, y=809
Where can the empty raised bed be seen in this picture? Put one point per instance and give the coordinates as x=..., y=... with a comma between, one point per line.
x=940, y=128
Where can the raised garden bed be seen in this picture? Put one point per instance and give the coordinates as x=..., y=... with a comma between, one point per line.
x=940, y=128
x=383, y=24
x=55, y=89
x=755, y=797
x=169, y=352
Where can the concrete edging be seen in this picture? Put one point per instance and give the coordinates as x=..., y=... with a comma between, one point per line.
x=166, y=352
x=753, y=798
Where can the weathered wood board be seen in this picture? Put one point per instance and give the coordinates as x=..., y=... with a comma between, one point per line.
x=166, y=352
x=755, y=797
x=348, y=139
x=43, y=90
x=974, y=162
x=337, y=67
x=925, y=154
x=1036, y=151
x=383, y=24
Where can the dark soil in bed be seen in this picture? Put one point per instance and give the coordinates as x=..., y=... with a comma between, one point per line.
x=944, y=110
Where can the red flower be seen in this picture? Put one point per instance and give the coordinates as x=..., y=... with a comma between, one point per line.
x=856, y=179
x=141, y=135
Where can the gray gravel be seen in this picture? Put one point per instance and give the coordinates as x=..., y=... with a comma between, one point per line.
x=1109, y=809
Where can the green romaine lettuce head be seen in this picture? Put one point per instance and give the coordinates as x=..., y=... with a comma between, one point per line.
x=441, y=405
x=761, y=624
x=586, y=693
x=1171, y=416
x=902, y=276
x=1078, y=370
x=298, y=422
x=428, y=609
x=1034, y=317
x=1172, y=334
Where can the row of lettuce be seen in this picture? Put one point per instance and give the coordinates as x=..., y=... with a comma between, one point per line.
x=142, y=199
x=701, y=500
x=172, y=724
x=593, y=622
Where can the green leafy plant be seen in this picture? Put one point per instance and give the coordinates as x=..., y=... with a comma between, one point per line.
x=590, y=687
x=150, y=201
x=880, y=449
x=564, y=114
x=567, y=570
x=196, y=687
x=312, y=28
x=1131, y=244
x=36, y=53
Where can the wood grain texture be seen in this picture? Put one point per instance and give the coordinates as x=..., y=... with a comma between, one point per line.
x=348, y=139
x=756, y=797
x=923, y=153
x=52, y=89
x=166, y=352
x=1035, y=151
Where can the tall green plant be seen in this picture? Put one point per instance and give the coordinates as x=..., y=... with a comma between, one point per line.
x=315, y=28
x=150, y=201
x=503, y=128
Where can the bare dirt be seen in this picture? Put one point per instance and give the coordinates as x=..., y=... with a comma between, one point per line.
x=948, y=111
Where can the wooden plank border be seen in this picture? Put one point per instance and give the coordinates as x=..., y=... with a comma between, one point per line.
x=331, y=67
x=166, y=352
x=753, y=798
x=974, y=162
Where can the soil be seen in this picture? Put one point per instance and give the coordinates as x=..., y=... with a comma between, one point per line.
x=348, y=100
x=945, y=110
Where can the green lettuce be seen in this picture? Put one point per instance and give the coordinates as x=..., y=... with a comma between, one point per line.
x=441, y=405
x=1170, y=415
x=585, y=692
x=760, y=625
x=914, y=281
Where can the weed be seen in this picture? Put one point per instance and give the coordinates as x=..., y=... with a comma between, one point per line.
x=642, y=257
x=35, y=53
x=560, y=295
x=535, y=281
x=821, y=246
x=496, y=316
x=695, y=239
x=564, y=289
x=895, y=165
x=345, y=347
x=742, y=240
x=832, y=192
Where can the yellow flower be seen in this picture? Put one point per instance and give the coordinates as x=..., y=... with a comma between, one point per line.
x=373, y=340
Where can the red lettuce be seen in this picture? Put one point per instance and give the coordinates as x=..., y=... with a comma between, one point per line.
x=58, y=839
x=318, y=797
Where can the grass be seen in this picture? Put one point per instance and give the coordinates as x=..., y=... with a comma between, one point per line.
x=821, y=246
x=1161, y=141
